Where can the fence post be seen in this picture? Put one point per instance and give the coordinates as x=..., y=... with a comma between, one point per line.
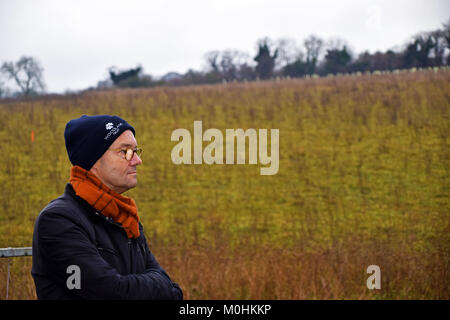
x=9, y=253
x=7, y=279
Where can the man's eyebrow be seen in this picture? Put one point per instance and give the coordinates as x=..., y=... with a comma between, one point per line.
x=127, y=145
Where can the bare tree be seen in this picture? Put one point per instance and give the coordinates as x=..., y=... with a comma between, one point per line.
x=313, y=47
x=227, y=65
x=211, y=58
x=439, y=46
x=288, y=52
x=27, y=73
x=446, y=36
x=2, y=89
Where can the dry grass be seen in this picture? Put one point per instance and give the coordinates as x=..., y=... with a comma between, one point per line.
x=261, y=272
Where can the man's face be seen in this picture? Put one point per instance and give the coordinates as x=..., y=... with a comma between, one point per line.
x=113, y=169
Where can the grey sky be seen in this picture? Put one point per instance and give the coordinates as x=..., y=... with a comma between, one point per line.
x=76, y=41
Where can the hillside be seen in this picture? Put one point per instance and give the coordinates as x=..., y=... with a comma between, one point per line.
x=363, y=179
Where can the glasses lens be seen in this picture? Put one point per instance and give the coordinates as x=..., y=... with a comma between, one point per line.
x=129, y=154
x=138, y=152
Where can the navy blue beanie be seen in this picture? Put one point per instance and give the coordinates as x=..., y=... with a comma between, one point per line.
x=88, y=137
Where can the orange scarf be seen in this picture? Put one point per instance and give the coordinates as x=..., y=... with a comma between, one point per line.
x=106, y=201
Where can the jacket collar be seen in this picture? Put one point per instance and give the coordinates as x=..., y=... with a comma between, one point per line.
x=91, y=212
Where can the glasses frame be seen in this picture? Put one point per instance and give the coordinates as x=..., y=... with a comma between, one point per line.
x=129, y=152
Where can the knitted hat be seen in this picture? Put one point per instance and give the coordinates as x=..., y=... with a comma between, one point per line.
x=88, y=137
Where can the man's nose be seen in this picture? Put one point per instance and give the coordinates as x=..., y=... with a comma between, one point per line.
x=135, y=160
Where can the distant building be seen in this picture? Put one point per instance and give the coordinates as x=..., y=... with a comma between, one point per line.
x=171, y=76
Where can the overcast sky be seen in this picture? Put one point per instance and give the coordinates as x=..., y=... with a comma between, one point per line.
x=77, y=41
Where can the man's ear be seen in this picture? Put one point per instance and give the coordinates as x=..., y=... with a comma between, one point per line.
x=94, y=168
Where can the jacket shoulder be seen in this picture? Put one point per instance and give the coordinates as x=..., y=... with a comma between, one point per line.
x=64, y=211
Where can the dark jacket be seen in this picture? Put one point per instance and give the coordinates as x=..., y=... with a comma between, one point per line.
x=69, y=232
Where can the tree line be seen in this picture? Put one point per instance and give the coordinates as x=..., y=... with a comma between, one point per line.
x=284, y=58
x=279, y=58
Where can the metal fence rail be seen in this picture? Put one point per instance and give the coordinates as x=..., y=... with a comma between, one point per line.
x=13, y=252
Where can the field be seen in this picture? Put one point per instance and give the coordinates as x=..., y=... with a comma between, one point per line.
x=363, y=180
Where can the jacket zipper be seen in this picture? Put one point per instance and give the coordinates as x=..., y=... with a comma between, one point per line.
x=128, y=239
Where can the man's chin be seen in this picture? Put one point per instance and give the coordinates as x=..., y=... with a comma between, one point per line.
x=133, y=183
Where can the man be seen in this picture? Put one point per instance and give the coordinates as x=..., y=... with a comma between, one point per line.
x=89, y=243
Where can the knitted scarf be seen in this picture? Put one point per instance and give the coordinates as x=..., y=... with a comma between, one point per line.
x=121, y=209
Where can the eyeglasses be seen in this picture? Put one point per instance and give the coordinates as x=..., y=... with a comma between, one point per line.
x=127, y=153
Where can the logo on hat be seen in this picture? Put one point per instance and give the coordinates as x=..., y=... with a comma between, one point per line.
x=112, y=131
